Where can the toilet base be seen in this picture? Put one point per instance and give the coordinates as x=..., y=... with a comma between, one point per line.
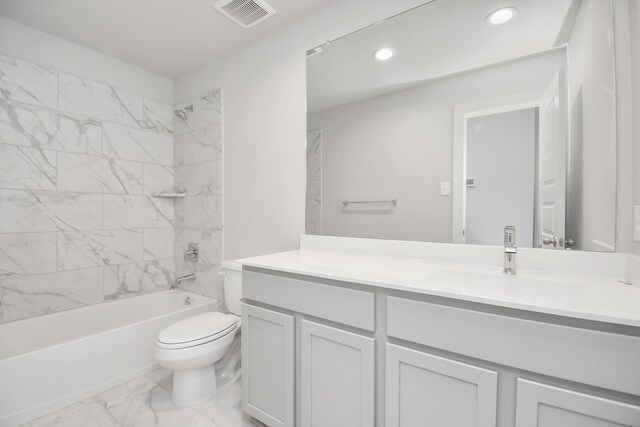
x=192, y=387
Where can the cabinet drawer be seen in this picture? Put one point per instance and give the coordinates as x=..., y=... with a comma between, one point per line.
x=591, y=357
x=540, y=405
x=343, y=305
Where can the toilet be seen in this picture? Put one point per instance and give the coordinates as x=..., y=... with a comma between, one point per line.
x=204, y=350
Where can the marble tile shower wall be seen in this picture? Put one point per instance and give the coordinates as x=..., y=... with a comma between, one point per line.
x=79, y=161
x=198, y=173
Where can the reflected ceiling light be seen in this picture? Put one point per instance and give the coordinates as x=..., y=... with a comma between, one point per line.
x=502, y=16
x=383, y=54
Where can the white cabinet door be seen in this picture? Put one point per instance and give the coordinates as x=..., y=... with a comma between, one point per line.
x=431, y=391
x=268, y=366
x=338, y=372
x=540, y=405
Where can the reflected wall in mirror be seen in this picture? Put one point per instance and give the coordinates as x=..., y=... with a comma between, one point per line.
x=467, y=127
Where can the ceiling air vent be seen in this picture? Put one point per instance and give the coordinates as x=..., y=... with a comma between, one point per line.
x=245, y=13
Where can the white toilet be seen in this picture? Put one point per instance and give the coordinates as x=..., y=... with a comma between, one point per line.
x=191, y=347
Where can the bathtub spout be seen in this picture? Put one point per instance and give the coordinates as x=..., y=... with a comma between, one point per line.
x=181, y=279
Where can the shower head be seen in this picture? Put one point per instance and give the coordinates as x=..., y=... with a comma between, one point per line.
x=182, y=114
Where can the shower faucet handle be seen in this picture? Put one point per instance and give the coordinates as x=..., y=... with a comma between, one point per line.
x=192, y=253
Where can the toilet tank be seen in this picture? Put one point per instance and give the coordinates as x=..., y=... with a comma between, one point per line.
x=232, y=286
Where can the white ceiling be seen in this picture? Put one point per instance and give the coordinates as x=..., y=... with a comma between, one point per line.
x=433, y=41
x=167, y=37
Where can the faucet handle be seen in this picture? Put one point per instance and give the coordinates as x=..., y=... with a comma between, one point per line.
x=192, y=253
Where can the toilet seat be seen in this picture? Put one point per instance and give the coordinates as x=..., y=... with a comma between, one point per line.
x=196, y=330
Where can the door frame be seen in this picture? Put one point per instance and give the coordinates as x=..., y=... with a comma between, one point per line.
x=461, y=114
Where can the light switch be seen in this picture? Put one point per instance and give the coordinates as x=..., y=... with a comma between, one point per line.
x=445, y=189
x=636, y=223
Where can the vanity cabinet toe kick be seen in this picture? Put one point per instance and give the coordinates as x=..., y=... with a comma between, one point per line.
x=323, y=353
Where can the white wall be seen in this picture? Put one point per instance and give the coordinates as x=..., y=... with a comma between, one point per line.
x=29, y=44
x=265, y=123
x=501, y=156
x=400, y=145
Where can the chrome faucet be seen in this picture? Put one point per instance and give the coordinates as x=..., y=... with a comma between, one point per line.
x=192, y=253
x=181, y=279
x=510, y=250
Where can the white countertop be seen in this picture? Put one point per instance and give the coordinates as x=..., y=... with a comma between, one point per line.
x=583, y=297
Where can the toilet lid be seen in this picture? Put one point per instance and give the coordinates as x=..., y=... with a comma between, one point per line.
x=196, y=328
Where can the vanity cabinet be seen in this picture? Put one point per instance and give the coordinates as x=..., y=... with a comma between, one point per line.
x=268, y=366
x=540, y=405
x=337, y=377
x=427, y=390
x=324, y=353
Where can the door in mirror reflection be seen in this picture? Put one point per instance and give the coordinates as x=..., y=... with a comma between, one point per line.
x=552, y=160
x=515, y=169
x=501, y=160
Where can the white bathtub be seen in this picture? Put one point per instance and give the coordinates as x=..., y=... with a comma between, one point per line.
x=49, y=362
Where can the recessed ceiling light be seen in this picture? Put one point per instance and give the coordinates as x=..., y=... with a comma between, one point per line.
x=383, y=54
x=502, y=16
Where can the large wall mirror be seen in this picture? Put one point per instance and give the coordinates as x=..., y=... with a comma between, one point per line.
x=452, y=120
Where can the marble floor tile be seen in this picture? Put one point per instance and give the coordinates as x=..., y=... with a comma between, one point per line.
x=82, y=414
x=224, y=409
x=146, y=402
x=154, y=408
x=162, y=376
x=125, y=392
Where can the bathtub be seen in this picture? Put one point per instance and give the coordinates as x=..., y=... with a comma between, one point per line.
x=52, y=361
